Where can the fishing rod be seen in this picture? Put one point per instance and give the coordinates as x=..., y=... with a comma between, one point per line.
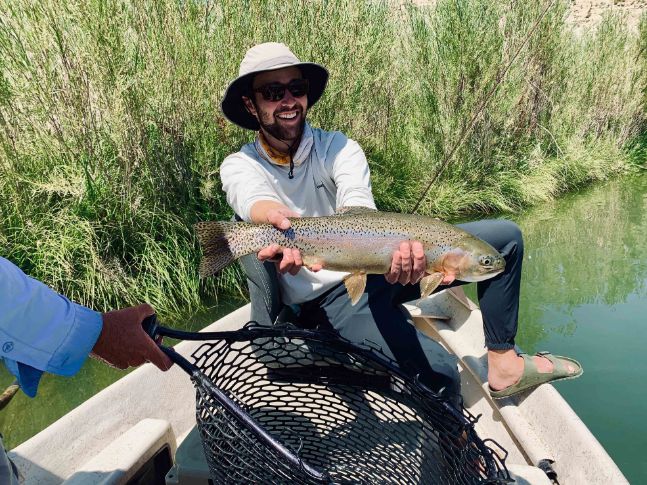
x=482, y=106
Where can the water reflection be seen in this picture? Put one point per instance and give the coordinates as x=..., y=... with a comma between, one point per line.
x=584, y=294
x=590, y=248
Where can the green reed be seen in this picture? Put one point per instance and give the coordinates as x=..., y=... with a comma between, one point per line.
x=112, y=134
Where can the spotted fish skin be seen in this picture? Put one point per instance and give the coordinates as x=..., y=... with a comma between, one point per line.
x=358, y=240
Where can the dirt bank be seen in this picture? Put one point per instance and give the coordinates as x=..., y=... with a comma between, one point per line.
x=588, y=13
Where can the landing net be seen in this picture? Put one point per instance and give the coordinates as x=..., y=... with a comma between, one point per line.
x=344, y=413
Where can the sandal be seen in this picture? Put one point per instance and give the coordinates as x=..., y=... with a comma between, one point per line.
x=531, y=376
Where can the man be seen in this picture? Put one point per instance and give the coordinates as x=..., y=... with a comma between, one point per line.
x=42, y=331
x=293, y=170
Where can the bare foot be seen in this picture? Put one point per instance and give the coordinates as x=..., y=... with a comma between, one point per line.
x=505, y=367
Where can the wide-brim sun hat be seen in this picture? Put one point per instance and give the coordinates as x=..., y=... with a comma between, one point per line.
x=269, y=56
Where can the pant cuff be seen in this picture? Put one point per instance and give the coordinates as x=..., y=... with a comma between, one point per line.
x=495, y=346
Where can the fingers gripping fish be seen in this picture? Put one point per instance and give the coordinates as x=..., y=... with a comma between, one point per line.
x=359, y=241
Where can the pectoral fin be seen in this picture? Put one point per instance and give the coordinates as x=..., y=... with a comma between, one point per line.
x=355, y=285
x=429, y=283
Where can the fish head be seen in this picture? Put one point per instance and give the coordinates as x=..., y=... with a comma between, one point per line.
x=473, y=260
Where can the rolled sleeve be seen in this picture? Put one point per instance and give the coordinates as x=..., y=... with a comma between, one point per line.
x=351, y=175
x=244, y=186
x=78, y=343
x=40, y=330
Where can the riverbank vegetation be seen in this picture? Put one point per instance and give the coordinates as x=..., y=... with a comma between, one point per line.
x=112, y=134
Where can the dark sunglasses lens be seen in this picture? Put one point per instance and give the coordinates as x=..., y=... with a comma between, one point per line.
x=298, y=87
x=273, y=92
x=276, y=91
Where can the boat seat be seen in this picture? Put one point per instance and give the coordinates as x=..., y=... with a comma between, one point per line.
x=262, y=281
x=143, y=454
x=191, y=467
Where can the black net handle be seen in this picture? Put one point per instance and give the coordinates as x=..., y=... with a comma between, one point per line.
x=153, y=329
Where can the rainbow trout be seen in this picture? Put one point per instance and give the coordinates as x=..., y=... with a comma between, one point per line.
x=359, y=241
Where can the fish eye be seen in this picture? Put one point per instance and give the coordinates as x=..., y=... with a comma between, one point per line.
x=486, y=260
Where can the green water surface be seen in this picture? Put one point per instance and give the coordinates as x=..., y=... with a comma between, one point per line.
x=584, y=294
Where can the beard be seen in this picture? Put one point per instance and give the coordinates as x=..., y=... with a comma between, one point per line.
x=283, y=133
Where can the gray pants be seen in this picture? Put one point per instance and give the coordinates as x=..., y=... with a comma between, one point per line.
x=8, y=471
x=380, y=318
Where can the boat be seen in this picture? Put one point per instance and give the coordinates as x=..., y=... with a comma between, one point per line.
x=143, y=426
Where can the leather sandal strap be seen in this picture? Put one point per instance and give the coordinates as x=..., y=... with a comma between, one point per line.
x=558, y=364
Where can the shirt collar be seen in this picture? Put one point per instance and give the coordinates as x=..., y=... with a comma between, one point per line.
x=273, y=156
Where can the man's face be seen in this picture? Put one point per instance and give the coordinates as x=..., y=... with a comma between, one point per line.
x=283, y=119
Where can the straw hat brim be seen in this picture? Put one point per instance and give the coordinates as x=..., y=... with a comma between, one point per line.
x=232, y=103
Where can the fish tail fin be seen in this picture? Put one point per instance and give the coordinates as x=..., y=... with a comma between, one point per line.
x=219, y=245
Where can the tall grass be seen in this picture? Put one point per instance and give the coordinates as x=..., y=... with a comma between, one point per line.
x=560, y=119
x=112, y=134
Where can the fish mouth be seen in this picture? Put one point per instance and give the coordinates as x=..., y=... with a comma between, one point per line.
x=481, y=276
x=474, y=268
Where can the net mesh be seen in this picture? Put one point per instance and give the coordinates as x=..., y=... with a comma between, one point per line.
x=345, y=410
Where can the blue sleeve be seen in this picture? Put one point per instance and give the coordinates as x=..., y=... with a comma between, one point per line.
x=40, y=330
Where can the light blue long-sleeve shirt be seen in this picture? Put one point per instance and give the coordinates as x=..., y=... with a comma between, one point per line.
x=40, y=330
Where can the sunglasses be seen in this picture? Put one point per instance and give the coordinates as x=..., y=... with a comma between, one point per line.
x=276, y=91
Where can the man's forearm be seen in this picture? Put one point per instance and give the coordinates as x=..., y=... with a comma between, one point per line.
x=260, y=209
x=41, y=330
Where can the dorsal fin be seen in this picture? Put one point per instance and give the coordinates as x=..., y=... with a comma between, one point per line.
x=354, y=210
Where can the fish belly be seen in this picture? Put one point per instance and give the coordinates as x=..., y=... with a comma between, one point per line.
x=352, y=253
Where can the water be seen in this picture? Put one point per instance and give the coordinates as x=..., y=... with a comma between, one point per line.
x=24, y=417
x=584, y=295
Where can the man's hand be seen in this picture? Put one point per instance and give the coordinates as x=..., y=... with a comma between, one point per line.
x=278, y=217
x=448, y=279
x=409, y=264
x=290, y=259
x=287, y=260
x=123, y=342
